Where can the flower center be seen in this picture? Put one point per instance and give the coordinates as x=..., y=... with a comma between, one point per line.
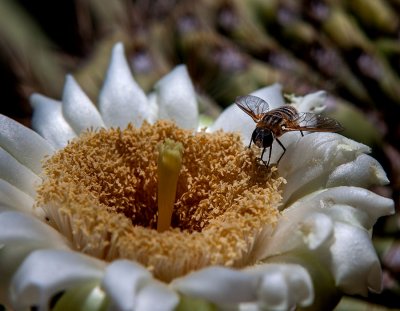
x=103, y=192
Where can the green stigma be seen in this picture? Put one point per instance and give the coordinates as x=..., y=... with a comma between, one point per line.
x=169, y=166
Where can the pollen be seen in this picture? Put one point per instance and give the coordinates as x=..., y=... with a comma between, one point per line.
x=102, y=191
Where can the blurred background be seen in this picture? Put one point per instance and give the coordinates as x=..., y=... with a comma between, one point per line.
x=350, y=48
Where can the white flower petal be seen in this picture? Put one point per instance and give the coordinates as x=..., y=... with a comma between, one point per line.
x=271, y=94
x=313, y=102
x=78, y=109
x=156, y=296
x=365, y=206
x=45, y=273
x=320, y=154
x=19, y=235
x=362, y=172
x=232, y=119
x=15, y=198
x=122, y=281
x=316, y=229
x=121, y=99
x=219, y=285
x=30, y=230
x=25, y=145
x=300, y=228
x=49, y=122
x=355, y=264
x=285, y=286
x=153, y=107
x=176, y=98
x=274, y=292
x=17, y=174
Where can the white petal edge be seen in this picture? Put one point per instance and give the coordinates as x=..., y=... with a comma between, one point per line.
x=78, y=109
x=156, y=296
x=229, y=288
x=176, y=98
x=219, y=285
x=367, y=206
x=362, y=172
x=29, y=230
x=272, y=94
x=153, y=107
x=121, y=99
x=14, y=198
x=17, y=174
x=25, y=145
x=19, y=235
x=49, y=122
x=45, y=273
x=122, y=281
x=355, y=265
x=321, y=153
x=284, y=286
x=300, y=228
x=313, y=102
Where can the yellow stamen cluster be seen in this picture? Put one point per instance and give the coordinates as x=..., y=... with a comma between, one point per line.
x=101, y=193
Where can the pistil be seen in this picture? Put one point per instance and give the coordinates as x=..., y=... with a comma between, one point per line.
x=169, y=166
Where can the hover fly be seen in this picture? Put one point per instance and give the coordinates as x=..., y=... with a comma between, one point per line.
x=273, y=124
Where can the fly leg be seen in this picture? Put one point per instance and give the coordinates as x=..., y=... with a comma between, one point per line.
x=269, y=156
x=301, y=133
x=284, y=150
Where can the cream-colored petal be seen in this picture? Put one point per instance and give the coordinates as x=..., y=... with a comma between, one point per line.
x=355, y=265
x=48, y=121
x=14, y=198
x=300, y=228
x=19, y=235
x=78, y=109
x=25, y=145
x=273, y=286
x=30, y=230
x=321, y=153
x=122, y=281
x=45, y=273
x=284, y=286
x=121, y=99
x=176, y=98
x=353, y=205
x=156, y=296
x=315, y=229
x=313, y=102
x=232, y=119
x=219, y=285
x=17, y=174
x=271, y=94
x=364, y=171
x=153, y=107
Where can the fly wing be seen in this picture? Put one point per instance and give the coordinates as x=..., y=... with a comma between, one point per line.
x=254, y=106
x=312, y=122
